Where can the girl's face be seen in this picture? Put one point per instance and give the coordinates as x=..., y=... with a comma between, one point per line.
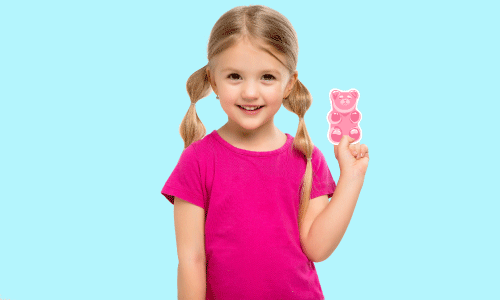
x=246, y=75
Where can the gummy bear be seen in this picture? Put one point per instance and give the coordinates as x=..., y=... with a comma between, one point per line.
x=344, y=118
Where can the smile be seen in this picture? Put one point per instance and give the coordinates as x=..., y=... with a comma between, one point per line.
x=251, y=111
x=251, y=107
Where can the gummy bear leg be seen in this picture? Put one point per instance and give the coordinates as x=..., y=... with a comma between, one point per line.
x=355, y=133
x=335, y=134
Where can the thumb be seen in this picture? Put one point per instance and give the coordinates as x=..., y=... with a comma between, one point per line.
x=345, y=141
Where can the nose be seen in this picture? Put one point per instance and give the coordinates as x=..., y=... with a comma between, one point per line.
x=250, y=91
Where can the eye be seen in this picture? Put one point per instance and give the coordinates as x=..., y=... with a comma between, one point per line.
x=269, y=77
x=230, y=76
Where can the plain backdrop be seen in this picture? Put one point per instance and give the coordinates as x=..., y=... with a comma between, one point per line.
x=93, y=92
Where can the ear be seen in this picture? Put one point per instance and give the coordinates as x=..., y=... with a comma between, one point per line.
x=334, y=94
x=354, y=93
x=291, y=83
x=211, y=80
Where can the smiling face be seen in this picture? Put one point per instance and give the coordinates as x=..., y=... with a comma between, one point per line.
x=246, y=75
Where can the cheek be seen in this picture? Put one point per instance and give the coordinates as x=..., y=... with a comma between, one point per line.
x=227, y=104
x=274, y=98
x=228, y=91
x=277, y=93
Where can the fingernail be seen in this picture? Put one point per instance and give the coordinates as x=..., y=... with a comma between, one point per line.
x=361, y=154
x=355, y=153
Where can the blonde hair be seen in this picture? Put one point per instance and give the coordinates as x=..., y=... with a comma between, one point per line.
x=274, y=29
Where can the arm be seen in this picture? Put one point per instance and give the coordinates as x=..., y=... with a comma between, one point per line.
x=191, y=280
x=329, y=226
x=190, y=237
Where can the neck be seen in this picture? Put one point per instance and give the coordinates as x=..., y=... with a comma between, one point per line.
x=261, y=139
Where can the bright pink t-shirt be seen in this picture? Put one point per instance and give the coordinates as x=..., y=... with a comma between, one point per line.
x=251, y=201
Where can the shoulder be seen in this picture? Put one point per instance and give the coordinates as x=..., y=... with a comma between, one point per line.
x=201, y=153
x=318, y=160
x=317, y=154
x=201, y=147
x=191, y=154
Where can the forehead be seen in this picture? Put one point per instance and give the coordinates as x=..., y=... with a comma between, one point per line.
x=251, y=56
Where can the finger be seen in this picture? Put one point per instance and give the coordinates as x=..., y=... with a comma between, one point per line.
x=364, y=150
x=358, y=150
x=345, y=141
x=355, y=150
x=352, y=149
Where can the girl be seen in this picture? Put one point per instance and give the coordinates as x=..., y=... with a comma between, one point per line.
x=251, y=205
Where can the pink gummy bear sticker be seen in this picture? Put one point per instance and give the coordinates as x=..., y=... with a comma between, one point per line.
x=344, y=118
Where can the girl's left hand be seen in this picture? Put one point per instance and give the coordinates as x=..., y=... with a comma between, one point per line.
x=353, y=158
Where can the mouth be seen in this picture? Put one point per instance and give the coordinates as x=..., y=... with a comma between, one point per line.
x=251, y=107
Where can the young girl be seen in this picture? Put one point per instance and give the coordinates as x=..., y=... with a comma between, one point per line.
x=251, y=205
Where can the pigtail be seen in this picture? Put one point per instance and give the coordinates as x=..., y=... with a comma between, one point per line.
x=198, y=87
x=298, y=101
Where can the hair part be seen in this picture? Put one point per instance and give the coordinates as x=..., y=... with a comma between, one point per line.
x=275, y=30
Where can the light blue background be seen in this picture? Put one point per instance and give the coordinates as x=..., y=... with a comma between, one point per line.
x=93, y=93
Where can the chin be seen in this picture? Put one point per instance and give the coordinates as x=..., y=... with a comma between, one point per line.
x=249, y=128
x=256, y=126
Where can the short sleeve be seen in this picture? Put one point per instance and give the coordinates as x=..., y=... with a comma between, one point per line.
x=185, y=181
x=323, y=183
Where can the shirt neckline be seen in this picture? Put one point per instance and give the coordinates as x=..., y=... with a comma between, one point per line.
x=226, y=144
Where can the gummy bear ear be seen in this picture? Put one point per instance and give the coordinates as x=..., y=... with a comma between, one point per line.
x=354, y=93
x=334, y=94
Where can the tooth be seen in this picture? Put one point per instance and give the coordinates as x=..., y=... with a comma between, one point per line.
x=253, y=108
